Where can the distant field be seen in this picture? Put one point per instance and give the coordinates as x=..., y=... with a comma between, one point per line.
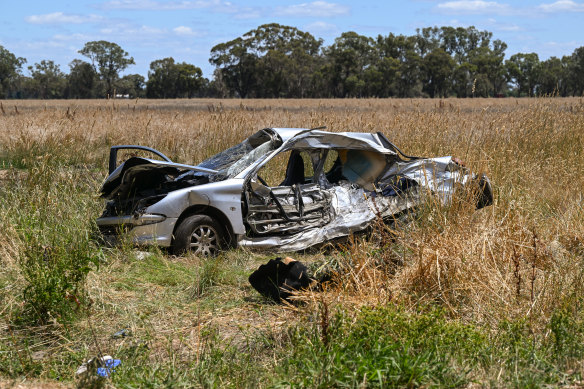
x=458, y=298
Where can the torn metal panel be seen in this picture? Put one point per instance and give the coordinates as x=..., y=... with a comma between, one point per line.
x=439, y=175
x=352, y=210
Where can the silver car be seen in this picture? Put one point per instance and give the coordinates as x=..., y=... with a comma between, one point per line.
x=282, y=189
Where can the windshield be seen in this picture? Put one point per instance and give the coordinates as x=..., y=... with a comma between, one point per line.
x=236, y=159
x=227, y=157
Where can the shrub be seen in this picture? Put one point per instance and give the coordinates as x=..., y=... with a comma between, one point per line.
x=51, y=212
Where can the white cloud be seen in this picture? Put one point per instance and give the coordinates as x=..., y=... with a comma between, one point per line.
x=164, y=5
x=494, y=25
x=62, y=18
x=217, y=6
x=562, y=6
x=510, y=27
x=40, y=45
x=314, y=9
x=474, y=7
x=72, y=37
x=321, y=28
x=184, y=31
x=247, y=14
x=125, y=30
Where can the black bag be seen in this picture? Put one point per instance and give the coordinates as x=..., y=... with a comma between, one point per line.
x=278, y=278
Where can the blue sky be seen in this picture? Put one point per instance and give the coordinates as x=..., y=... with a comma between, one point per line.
x=187, y=29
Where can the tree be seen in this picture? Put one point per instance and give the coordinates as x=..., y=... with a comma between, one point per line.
x=395, y=54
x=350, y=56
x=189, y=80
x=550, y=76
x=490, y=77
x=270, y=61
x=108, y=59
x=522, y=70
x=49, y=79
x=10, y=67
x=287, y=57
x=408, y=77
x=161, y=78
x=167, y=79
x=576, y=70
x=82, y=80
x=131, y=85
x=438, y=67
x=237, y=66
x=217, y=86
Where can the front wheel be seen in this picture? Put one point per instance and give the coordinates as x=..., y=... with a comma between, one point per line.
x=199, y=234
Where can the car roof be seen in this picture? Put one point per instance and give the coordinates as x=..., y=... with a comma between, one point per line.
x=289, y=133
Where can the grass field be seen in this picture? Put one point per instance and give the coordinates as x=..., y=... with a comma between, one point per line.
x=458, y=298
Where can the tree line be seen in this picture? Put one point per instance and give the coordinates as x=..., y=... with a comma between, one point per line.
x=274, y=61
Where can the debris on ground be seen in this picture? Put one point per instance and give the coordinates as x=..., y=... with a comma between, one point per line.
x=123, y=333
x=280, y=278
x=91, y=373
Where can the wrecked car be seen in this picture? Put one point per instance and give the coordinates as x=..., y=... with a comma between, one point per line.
x=282, y=189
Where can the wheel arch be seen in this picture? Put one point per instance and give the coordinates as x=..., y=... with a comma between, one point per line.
x=199, y=209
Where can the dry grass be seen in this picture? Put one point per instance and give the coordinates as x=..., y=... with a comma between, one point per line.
x=518, y=259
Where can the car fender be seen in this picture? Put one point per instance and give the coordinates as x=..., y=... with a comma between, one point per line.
x=225, y=196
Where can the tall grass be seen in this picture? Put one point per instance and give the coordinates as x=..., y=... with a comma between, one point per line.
x=47, y=216
x=456, y=297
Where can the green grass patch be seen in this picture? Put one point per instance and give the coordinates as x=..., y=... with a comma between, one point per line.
x=48, y=216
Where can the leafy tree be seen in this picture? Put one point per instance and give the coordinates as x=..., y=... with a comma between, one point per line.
x=482, y=86
x=189, y=80
x=398, y=66
x=217, y=87
x=161, y=78
x=522, y=70
x=490, y=77
x=350, y=56
x=82, y=80
x=470, y=49
x=438, y=68
x=108, y=60
x=282, y=61
x=167, y=79
x=550, y=76
x=237, y=66
x=287, y=58
x=427, y=40
x=131, y=85
x=10, y=67
x=576, y=69
x=463, y=79
x=408, y=78
x=270, y=61
x=50, y=81
x=455, y=41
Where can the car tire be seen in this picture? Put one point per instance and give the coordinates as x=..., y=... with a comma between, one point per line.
x=199, y=234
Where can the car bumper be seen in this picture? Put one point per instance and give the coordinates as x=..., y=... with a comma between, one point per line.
x=146, y=229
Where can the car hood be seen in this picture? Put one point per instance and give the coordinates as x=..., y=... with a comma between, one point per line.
x=124, y=174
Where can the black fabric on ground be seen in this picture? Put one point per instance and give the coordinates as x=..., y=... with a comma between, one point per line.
x=278, y=278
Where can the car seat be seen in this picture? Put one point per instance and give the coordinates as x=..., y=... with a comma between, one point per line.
x=294, y=170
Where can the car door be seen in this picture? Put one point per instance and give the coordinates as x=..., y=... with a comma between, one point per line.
x=284, y=196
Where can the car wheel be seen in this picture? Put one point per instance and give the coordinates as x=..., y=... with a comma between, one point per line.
x=199, y=234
